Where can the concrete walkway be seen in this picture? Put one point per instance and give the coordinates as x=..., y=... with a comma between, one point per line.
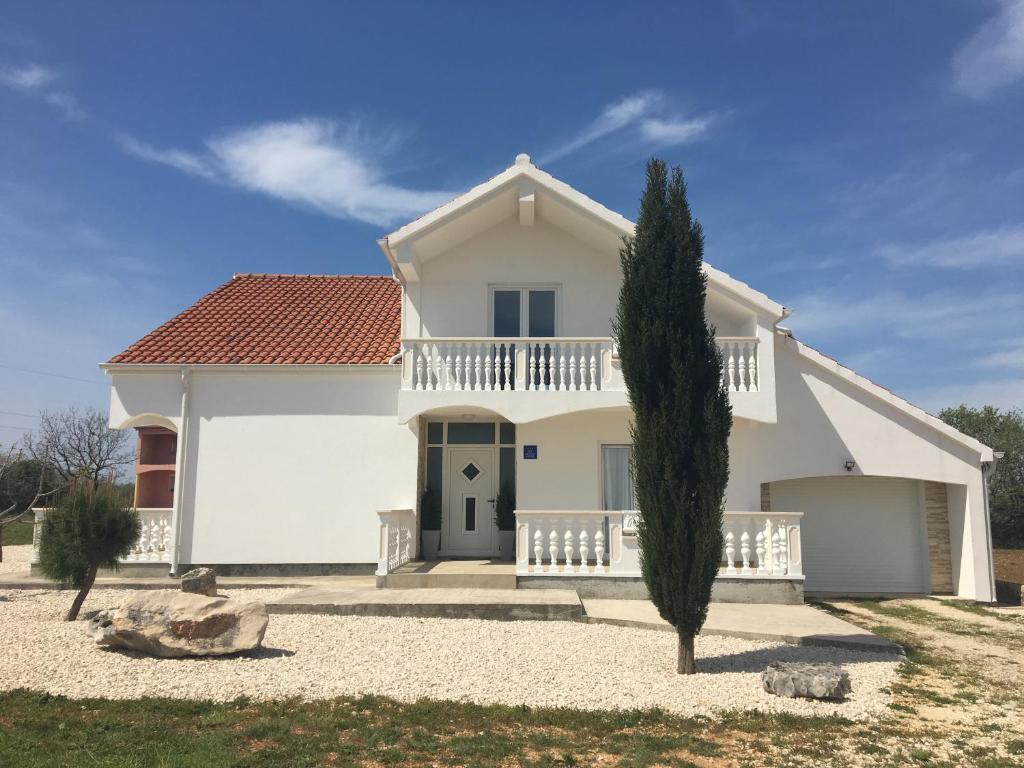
x=25, y=580
x=797, y=624
x=459, y=603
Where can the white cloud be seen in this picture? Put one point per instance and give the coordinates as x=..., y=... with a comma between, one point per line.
x=176, y=158
x=668, y=132
x=930, y=316
x=994, y=56
x=1011, y=357
x=331, y=166
x=1005, y=394
x=1004, y=245
x=35, y=80
x=30, y=77
x=641, y=113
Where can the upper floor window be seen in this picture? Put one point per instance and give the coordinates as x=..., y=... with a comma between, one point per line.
x=526, y=311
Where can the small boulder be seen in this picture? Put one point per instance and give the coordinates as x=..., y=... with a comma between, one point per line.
x=200, y=581
x=808, y=681
x=172, y=624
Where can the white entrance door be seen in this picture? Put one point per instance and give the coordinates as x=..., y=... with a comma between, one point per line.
x=469, y=514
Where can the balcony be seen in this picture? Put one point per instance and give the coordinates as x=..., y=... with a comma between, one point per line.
x=530, y=378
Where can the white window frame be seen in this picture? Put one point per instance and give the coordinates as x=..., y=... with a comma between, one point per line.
x=600, y=475
x=524, y=304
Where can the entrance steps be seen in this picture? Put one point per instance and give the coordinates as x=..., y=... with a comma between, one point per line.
x=434, y=603
x=452, y=574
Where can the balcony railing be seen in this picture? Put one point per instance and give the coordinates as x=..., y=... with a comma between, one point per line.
x=492, y=364
x=756, y=545
x=152, y=546
x=486, y=364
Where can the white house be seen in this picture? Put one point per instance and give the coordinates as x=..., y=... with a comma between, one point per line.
x=311, y=412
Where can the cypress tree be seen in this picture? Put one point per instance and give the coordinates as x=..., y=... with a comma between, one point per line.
x=681, y=414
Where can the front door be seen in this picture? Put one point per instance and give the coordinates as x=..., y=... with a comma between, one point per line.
x=470, y=524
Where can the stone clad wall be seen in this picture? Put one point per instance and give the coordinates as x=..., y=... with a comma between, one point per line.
x=939, y=551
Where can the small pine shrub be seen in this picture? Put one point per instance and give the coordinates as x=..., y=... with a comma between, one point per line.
x=430, y=509
x=505, y=507
x=89, y=528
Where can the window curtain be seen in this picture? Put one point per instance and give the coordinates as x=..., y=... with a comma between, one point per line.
x=618, y=481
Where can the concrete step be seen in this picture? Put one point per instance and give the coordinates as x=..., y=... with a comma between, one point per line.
x=452, y=574
x=450, y=603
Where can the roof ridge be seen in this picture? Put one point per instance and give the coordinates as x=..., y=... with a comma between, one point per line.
x=237, y=275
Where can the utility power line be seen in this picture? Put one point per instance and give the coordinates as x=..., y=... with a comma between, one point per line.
x=53, y=375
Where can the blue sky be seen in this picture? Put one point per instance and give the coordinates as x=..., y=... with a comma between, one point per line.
x=862, y=163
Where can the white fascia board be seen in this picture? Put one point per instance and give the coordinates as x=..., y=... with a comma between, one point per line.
x=593, y=209
x=201, y=368
x=888, y=397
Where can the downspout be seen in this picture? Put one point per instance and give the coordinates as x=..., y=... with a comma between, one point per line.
x=179, y=470
x=987, y=468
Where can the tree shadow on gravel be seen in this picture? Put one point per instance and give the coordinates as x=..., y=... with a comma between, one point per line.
x=758, y=660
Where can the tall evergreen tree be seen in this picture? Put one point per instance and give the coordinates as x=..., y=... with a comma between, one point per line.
x=681, y=413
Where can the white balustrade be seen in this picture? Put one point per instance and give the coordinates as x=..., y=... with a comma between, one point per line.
x=776, y=537
x=152, y=546
x=558, y=543
x=397, y=539
x=545, y=364
x=739, y=363
x=492, y=364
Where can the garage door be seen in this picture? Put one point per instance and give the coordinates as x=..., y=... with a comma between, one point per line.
x=860, y=534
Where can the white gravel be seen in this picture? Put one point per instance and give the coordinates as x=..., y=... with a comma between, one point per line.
x=537, y=663
x=17, y=559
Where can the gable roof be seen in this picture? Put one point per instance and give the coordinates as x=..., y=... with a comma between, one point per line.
x=524, y=169
x=281, y=320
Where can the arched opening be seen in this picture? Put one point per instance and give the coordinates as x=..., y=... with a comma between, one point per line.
x=155, y=460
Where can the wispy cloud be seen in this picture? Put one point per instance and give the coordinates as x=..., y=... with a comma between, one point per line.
x=643, y=114
x=1006, y=394
x=994, y=56
x=175, y=158
x=30, y=77
x=1010, y=357
x=993, y=247
x=331, y=166
x=936, y=315
x=35, y=80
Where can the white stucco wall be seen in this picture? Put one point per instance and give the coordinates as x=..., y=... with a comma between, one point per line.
x=824, y=421
x=283, y=467
x=452, y=297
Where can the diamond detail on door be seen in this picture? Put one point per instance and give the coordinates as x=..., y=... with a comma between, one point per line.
x=470, y=471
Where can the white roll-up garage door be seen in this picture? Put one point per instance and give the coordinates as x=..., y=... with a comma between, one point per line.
x=860, y=534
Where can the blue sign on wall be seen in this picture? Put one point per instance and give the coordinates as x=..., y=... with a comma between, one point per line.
x=529, y=451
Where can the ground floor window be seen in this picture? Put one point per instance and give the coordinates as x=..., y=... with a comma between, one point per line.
x=617, y=478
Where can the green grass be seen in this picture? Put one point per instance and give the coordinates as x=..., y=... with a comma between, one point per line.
x=42, y=730
x=980, y=610
x=18, y=533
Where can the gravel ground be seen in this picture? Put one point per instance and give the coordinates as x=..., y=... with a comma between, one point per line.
x=584, y=666
x=17, y=559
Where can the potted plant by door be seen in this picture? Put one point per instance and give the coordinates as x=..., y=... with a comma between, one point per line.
x=430, y=530
x=505, y=517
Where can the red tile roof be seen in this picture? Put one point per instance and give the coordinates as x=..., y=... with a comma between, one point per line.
x=281, y=319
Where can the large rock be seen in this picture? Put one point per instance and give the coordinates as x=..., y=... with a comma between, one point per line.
x=200, y=581
x=807, y=681
x=167, y=623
